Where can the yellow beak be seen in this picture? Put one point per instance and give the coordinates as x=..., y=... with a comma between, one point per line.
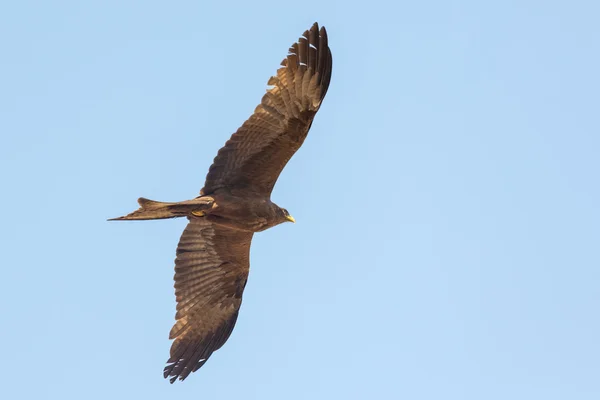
x=290, y=218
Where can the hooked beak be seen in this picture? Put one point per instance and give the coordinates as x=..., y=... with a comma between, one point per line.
x=291, y=219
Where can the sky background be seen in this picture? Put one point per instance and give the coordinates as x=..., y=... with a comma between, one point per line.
x=447, y=199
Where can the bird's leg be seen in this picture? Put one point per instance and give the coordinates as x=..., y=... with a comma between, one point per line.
x=203, y=203
x=207, y=203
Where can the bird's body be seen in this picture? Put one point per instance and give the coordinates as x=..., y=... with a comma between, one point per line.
x=212, y=261
x=246, y=213
x=243, y=211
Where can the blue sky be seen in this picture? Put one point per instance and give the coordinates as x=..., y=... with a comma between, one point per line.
x=447, y=199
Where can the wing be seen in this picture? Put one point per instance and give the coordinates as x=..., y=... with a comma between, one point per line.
x=211, y=270
x=255, y=155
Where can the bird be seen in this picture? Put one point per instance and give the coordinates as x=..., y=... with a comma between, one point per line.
x=213, y=254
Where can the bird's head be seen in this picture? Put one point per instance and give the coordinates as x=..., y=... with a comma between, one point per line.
x=285, y=215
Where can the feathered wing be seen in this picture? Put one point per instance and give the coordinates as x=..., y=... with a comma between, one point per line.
x=256, y=154
x=211, y=270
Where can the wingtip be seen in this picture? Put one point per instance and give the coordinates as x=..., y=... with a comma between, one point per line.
x=320, y=28
x=172, y=377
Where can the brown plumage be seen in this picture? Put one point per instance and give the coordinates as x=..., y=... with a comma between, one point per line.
x=212, y=261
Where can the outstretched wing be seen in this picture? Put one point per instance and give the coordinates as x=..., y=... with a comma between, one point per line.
x=255, y=155
x=211, y=270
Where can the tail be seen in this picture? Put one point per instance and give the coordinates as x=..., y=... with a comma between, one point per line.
x=150, y=209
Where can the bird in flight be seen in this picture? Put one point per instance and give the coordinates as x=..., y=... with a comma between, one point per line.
x=212, y=262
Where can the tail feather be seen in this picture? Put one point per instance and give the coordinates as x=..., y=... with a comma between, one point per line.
x=148, y=204
x=150, y=209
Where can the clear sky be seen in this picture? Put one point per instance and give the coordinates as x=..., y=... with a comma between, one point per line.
x=447, y=199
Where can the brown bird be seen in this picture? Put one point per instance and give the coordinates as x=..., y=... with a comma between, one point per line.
x=212, y=263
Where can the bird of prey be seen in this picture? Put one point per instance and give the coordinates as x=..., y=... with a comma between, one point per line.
x=212, y=262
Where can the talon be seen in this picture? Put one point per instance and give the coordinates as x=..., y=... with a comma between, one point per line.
x=198, y=213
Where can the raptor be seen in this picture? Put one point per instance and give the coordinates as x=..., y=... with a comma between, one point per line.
x=212, y=262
